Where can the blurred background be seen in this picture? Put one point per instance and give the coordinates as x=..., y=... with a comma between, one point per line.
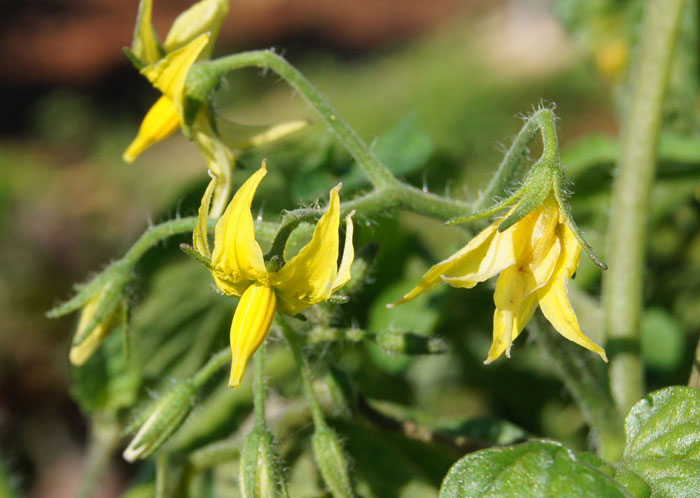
x=441, y=82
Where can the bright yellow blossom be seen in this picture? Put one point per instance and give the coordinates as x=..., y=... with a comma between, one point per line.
x=535, y=258
x=239, y=270
x=168, y=75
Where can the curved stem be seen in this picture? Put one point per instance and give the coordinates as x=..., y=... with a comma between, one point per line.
x=622, y=285
x=542, y=120
x=211, y=71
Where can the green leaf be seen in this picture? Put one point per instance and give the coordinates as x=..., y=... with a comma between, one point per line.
x=534, y=469
x=663, y=442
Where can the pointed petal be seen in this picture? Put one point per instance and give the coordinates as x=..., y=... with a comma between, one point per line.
x=200, y=239
x=161, y=121
x=505, y=323
x=169, y=74
x=239, y=136
x=466, y=274
x=343, y=275
x=204, y=16
x=513, y=309
x=556, y=308
x=237, y=257
x=220, y=160
x=308, y=278
x=250, y=325
x=145, y=43
x=467, y=258
x=553, y=298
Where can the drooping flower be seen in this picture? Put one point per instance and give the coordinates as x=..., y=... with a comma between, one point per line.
x=535, y=258
x=238, y=268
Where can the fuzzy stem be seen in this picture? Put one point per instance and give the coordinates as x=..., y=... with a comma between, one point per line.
x=622, y=285
x=104, y=440
x=542, y=120
x=304, y=372
x=211, y=71
x=259, y=387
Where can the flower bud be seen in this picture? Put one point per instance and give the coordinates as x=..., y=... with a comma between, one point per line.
x=204, y=16
x=332, y=462
x=81, y=351
x=260, y=475
x=165, y=416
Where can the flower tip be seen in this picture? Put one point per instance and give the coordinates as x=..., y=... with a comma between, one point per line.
x=603, y=356
x=391, y=306
x=263, y=166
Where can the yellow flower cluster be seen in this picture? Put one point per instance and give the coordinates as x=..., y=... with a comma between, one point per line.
x=535, y=258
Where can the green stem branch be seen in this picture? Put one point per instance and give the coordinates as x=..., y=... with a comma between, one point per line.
x=211, y=71
x=622, y=285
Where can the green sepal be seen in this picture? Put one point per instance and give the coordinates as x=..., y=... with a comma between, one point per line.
x=138, y=63
x=537, y=187
x=192, y=253
x=483, y=213
x=560, y=196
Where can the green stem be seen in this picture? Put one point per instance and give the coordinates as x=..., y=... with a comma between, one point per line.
x=259, y=387
x=622, y=284
x=511, y=166
x=211, y=72
x=304, y=373
x=215, y=363
x=574, y=367
x=104, y=440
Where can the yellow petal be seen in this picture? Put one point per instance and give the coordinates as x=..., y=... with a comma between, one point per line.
x=466, y=274
x=169, y=74
x=571, y=249
x=515, y=323
x=161, y=121
x=200, y=238
x=513, y=309
x=144, y=44
x=204, y=16
x=237, y=257
x=250, y=325
x=543, y=270
x=343, y=276
x=220, y=161
x=554, y=301
x=309, y=277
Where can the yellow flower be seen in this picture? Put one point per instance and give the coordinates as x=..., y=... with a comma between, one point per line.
x=535, y=258
x=168, y=75
x=238, y=268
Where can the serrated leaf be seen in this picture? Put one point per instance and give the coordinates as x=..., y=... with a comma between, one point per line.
x=534, y=469
x=663, y=442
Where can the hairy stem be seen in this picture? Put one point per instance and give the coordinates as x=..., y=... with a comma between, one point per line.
x=622, y=285
x=210, y=71
x=304, y=372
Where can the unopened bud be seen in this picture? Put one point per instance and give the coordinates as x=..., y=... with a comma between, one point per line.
x=90, y=340
x=261, y=476
x=165, y=416
x=332, y=462
x=202, y=17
